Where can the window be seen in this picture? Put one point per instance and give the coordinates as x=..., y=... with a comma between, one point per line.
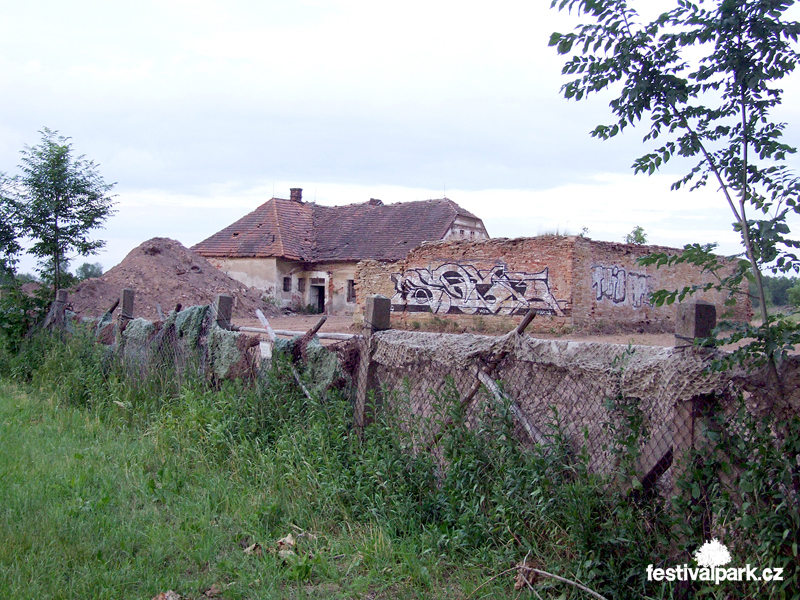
x=351, y=290
x=301, y=284
x=287, y=284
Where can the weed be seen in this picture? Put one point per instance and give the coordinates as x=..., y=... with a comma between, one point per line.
x=124, y=482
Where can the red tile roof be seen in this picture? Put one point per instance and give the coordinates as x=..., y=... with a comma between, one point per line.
x=313, y=233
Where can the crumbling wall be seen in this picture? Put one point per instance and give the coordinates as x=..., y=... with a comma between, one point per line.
x=610, y=290
x=569, y=281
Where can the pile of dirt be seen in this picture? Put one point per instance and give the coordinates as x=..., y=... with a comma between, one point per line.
x=163, y=271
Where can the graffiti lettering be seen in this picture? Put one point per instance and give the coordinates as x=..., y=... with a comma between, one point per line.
x=621, y=287
x=463, y=289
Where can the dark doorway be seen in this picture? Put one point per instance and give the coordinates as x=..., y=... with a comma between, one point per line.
x=318, y=297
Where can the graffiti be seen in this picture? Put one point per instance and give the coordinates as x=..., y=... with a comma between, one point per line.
x=640, y=289
x=609, y=282
x=615, y=284
x=463, y=289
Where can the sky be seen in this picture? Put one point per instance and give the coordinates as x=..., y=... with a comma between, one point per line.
x=202, y=110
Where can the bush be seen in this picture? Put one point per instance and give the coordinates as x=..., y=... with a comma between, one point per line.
x=482, y=499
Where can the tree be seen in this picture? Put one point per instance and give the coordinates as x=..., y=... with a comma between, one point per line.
x=88, y=270
x=705, y=75
x=60, y=199
x=793, y=295
x=636, y=236
x=9, y=244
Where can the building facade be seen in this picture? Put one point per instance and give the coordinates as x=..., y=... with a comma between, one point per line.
x=305, y=255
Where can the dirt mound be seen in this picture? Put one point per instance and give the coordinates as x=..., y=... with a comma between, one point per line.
x=163, y=271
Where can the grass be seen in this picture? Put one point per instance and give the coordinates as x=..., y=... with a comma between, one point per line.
x=113, y=486
x=94, y=510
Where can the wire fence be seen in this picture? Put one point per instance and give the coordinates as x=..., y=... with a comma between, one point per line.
x=657, y=402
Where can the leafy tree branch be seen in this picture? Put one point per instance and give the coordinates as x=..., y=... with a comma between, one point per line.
x=705, y=75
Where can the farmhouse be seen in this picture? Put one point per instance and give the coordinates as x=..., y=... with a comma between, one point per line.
x=302, y=253
x=571, y=281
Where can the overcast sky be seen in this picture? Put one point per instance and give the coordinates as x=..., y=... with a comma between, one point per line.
x=200, y=109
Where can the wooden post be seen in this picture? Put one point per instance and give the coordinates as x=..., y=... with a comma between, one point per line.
x=55, y=316
x=376, y=318
x=223, y=307
x=486, y=369
x=126, y=314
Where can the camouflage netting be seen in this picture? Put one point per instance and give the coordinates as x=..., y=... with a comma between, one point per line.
x=590, y=385
x=322, y=368
x=190, y=337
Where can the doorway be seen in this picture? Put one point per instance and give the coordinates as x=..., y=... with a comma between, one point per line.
x=318, y=298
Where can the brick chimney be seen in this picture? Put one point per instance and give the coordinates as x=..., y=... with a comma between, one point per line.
x=296, y=194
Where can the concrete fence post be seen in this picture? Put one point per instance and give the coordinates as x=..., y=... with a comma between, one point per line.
x=126, y=308
x=695, y=319
x=377, y=313
x=223, y=308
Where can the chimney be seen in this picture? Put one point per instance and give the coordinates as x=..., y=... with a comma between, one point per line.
x=296, y=194
x=375, y=202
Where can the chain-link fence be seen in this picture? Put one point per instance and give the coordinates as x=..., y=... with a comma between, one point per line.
x=648, y=407
x=612, y=403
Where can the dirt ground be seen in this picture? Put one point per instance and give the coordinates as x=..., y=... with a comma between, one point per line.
x=345, y=325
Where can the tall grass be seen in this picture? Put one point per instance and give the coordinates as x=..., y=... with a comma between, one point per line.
x=123, y=485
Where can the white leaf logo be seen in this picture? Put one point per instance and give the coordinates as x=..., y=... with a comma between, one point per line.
x=712, y=554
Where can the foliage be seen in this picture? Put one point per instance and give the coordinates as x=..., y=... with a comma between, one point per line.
x=706, y=76
x=60, y=199
x=9, y=244
x=636, y=236
x=743, y=486
x=88, y=270
x=19, y=312
x=776, y=290
x=793, y=295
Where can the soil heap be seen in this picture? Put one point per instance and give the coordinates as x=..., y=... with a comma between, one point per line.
x=163, y=271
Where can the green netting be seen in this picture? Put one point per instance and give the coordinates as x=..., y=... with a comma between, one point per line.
x=322, y=367
x=189, y=324
x=136, y=340
x=321, y=371
x=223, y=351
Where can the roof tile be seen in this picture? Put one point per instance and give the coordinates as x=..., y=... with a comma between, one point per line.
x=313, y=233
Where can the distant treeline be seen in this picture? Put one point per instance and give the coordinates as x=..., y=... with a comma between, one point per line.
x=780, y=291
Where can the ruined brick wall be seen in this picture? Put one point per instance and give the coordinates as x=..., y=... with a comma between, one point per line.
x=466, y=281
x=611, y=291
x=570, y=281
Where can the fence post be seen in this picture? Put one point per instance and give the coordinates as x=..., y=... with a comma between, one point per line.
x=376, y=318
x=223, y=308
x=126, y=312
x=55, y=316
x=695, y=319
